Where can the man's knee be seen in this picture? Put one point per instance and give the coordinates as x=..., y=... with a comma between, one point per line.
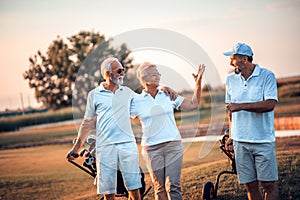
x=268, y=186
x=252, y=185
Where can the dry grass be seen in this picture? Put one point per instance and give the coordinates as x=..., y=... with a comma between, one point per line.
x=43, y=173
x=287, y=123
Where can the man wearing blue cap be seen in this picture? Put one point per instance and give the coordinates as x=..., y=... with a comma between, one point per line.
x=251, y=96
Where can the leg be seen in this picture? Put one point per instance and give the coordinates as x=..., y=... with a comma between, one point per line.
x=267, y=171
x=245, y=162
x=158, y=180
x=174, y=155
x=107, y=162
x=109, y=196
x=154, y=158
x=271, y=190
x=253, y=191
x=134, y=194
x=130, y=169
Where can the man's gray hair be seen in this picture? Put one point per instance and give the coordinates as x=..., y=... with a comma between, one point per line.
x=106, y=65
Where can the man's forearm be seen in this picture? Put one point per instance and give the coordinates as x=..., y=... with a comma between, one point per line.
x=258, y=107
x=83, y=133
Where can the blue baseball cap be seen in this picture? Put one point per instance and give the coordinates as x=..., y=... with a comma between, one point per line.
x=240, y=48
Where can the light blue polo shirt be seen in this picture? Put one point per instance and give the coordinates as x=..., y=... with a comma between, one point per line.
x=157, y=117
x=113, y=117
x=250, y=126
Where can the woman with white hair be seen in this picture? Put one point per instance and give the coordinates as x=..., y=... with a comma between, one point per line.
x=161, y=140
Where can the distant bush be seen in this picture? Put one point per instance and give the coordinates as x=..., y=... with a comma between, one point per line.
x=20, y=112
x=14, y=123
x=217, y=95
x=289, y=90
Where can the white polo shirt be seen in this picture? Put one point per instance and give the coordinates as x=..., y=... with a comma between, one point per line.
x=157, y=117
x=113, y=117
x=250, y=126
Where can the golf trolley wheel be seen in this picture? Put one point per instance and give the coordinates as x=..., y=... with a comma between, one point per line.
x=208, y=191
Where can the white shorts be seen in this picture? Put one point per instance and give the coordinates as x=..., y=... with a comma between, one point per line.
x=255, y=161
x=110, y=158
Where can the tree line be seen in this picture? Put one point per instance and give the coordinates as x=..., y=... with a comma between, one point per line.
x=71, y=67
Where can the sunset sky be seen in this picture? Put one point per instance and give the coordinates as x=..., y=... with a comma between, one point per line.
x=271, y=28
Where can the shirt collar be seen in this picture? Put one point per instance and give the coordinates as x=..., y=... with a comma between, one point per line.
x=144, y=94
x=256, y=71
x=102, y=89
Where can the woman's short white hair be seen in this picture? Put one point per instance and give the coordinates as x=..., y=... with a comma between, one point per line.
x=106, y=65
x=140, y=72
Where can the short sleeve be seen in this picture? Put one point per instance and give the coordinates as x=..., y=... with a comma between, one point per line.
x=227, y=93
x=178, y=101
x=270, y=90
x=133, y=106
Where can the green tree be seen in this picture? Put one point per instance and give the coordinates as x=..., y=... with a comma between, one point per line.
x=70, y=68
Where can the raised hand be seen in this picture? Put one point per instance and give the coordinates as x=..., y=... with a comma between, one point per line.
x=198, y=76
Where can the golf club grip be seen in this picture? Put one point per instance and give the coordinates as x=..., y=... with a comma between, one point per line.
x=82, y=168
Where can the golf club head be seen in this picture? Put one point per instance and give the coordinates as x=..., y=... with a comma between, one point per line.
x=226, y=132
x=91, y=139
x=74, y=155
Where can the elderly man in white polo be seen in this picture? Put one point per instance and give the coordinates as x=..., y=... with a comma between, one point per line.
x=115, y=143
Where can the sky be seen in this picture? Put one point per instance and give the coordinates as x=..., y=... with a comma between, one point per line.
x=271, y=28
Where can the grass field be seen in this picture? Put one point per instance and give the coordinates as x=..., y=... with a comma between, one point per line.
x=33, y=164
x=43, y=173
